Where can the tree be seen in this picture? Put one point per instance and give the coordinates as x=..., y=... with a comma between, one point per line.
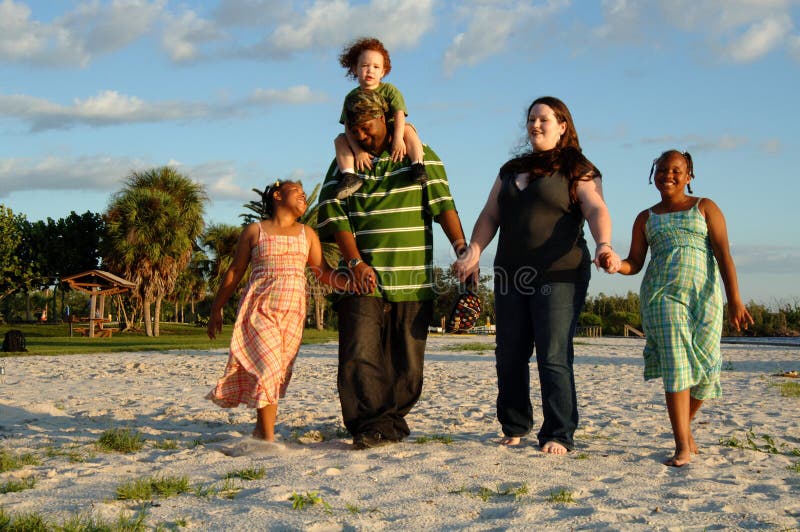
x=152, y=224
x=15, y=273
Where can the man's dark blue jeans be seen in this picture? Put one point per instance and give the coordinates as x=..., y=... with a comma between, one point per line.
x=542, y=316
x=381, y=352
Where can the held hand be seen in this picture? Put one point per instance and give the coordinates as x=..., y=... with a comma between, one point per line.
x=467, y=264
x=214, y=324
x=365, y=280
x=363, y=161
x=398, y=150
x=738, y=316
x=609, y=261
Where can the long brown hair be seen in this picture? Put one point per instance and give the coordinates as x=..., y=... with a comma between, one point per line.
x=566, y=157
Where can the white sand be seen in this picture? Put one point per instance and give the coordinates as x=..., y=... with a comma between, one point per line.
x=615, y=476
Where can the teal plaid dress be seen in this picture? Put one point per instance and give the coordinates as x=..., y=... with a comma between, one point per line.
x=682, y=305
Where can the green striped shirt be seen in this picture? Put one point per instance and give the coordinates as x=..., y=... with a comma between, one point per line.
x=392, y=229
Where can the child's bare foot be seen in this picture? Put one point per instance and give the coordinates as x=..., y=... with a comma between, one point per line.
x=553, y=447
x=680, y=459
x=510, y=440
x=259, y=435
x=693, y=446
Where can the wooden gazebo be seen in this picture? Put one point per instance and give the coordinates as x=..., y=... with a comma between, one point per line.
x=98, y=283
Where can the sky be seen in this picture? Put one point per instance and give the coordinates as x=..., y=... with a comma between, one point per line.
x=238, y=93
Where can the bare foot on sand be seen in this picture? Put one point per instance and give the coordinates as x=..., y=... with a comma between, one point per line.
x=553, y=447
x=259, y=435
x=682, y=456
x=693, y=446
x=510, y=440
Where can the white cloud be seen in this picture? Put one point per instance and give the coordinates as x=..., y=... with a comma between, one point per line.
x=622, y=21
x=107, y=174
x=185, y=33
x=89, y=30
x=252, y=13
x=112, y=108
x=492, y=25
x=326, y=23
x=698, y=143
x=772, y=146
x=760, y=38
x=766, y=259
x=98, y=173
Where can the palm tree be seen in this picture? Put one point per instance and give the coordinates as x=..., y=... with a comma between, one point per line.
x=152, y=224
x=219, y=242
x=316, y=290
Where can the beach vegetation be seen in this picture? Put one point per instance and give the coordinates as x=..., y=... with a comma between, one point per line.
x=561, y=496
x=582, y=456
x=250, y=473
x=71, y=453
x=16, y=485
x=166, y=444
x=727, y=366
x=89, y=523
x=513, y=489
x=790, y=389
x=228, y=490
x=763, y=443
x=309, y=498
x=440, y=438
x=795, y=467
x=352, y=508
x=28, y=522
x=9, y=461
x=143, y=489
x=121, y=440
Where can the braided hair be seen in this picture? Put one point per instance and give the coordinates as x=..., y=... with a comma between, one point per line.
x=689, y=165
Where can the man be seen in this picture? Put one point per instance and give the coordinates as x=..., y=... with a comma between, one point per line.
x=384, y=234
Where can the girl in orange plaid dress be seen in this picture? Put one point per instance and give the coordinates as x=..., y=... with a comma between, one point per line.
x=269, y=322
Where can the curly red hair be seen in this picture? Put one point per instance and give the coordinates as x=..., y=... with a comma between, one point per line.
x=349, y=56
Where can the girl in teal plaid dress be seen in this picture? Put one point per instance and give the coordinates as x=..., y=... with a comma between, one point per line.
x=680, y=297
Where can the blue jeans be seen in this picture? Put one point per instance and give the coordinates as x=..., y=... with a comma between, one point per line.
x=381, y=354
x=543, y=316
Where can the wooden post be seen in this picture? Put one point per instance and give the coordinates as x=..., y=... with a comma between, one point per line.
x=92, y=305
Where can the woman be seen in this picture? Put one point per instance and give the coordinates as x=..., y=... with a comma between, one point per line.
x=539, y=202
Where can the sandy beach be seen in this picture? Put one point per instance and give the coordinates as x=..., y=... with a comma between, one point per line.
x=449, y=475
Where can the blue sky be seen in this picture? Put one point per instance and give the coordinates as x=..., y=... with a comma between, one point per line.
x=237, y=93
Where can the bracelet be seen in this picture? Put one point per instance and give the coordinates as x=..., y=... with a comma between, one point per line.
x=607, y=244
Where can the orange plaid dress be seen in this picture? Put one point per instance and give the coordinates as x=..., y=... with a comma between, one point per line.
x=269, y=324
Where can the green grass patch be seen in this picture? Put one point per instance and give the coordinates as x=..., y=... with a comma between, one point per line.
x=515, y=490
x=582, y=456
x=121, y=441
x=13, y=486
x=10, y=461
x=251, y=473
x=447, y=440
x=228, y=490
x=795, y=467
x=308, y=499
x=470, y=346
x=55, y=340
x=166, y=445
x=147, y=488
x=561, y=496
x=790, y=389
x=71, y=453
x=28, y=522
x=752, y=442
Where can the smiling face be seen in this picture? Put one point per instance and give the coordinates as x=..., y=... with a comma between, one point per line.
x=671, y=174
x=371, y=135
x=292, y=196
x=370, y=69
x=544, y=129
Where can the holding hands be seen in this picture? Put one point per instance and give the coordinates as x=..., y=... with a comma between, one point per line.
x=607, y=258
x=466, y=266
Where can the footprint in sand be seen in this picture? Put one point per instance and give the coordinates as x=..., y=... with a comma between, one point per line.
x=251, y=447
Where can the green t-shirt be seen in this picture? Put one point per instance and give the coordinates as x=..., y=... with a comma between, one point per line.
x=391, y=94
x=391, y=218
